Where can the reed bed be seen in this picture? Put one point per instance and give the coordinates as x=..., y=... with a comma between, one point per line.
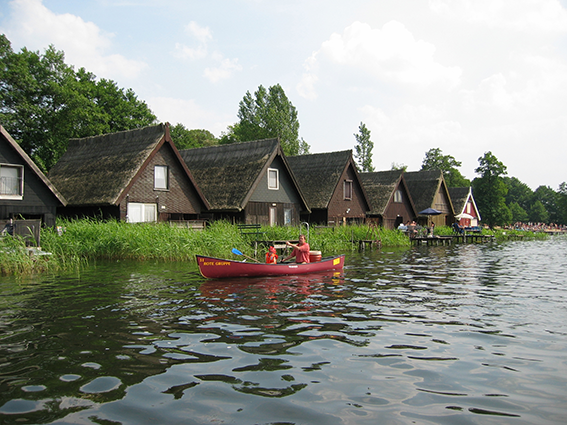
x=82, y=241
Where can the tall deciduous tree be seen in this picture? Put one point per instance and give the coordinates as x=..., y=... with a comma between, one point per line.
x=363, y=149
x=490, y=191
x=548, y=199
x=435, y=160
x=187, y=139
x=518, y=192
x=267, y=114
x=44, y=103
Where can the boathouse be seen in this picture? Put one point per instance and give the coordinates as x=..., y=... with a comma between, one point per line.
x=332, y=187
x=135, y=175
x=25, y=191
x=389, y=197
x=429, y=190
x=247, y=182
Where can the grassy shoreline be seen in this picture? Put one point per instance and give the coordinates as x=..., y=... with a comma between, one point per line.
x=84, y=241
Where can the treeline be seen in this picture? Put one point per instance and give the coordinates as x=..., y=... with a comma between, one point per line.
x=44, y=102
x=502, y=200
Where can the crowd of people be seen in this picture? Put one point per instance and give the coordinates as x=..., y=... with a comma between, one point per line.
x=537, y=227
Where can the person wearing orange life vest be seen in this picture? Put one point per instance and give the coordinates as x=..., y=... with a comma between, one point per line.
x=271, y=256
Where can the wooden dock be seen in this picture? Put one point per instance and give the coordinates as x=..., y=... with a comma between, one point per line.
x=432, y=240
x=442, y=240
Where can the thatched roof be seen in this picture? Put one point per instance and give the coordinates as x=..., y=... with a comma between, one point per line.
x=97, y=170
x=319, y=175
x=459, y=197
x=28, y=161
x=380, y=187
x=423, y=186
x=228, y=174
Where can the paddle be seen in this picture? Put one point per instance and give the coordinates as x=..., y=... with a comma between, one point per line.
x=237, y=252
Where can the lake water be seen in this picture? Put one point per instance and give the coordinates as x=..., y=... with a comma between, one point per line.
x=461, y=334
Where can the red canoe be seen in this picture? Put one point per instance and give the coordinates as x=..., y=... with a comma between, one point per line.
x=215, y=268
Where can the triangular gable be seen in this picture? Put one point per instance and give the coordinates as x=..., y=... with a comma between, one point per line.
x=99, y=170
x=229, y=174
x=424, y=187
x=35, y=169
x=381, y=187
x=460, y=197
x=319, y=176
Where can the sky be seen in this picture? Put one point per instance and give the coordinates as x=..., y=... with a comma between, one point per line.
x=464, y=76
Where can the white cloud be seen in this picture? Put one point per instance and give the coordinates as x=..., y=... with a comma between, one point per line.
x=85, y=45
x=189, y=113
x=223, y=68
x=519, y=15
x=390, y=54
x=203, y=34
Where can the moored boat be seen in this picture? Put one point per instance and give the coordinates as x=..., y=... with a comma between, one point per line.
x=211, y=267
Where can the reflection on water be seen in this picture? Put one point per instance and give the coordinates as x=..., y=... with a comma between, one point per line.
x=453, y=334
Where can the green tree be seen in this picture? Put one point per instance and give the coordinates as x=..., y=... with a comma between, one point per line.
x=538, y=213
x=435, y=160
x=400, y=167
x=518, y=213
x=548, y=198
x=187, y=139
x=518, y=192
x=490, y=191
x=363, y=149
x=44, y=103
x=267, y=114
x=562, y=203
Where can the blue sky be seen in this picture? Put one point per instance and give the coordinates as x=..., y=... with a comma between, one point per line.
x=465, y=76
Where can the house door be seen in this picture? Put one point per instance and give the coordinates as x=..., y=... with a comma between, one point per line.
x=273, y=216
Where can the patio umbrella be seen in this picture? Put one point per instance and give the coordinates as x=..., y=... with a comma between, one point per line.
x=463, y=215
x=430, y=211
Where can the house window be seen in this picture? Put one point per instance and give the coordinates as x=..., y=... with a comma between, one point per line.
x=287, y=216
x=161, y=177
x=398, y=196
x=348, y=189
x=11, y=181
x=141, y=213
x=273, y=179
x=468, y=208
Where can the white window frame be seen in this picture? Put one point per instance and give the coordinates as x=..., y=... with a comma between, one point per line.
x=8, y=188
x=348, y=190
x=273, y=178
x=141, y=213
x=161, y=177
x=398, y=197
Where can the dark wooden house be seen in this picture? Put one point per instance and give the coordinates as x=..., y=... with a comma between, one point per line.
x=466, y=211
x=389, y=197
x=25, y=192
x=135, y=175
x=429, y=190
x=332, y=187
x=248, y=182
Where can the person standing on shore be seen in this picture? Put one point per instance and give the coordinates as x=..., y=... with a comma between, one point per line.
x=300, y=251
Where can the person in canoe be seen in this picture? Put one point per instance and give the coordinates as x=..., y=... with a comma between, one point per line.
x=271, y=256
x=300, y=251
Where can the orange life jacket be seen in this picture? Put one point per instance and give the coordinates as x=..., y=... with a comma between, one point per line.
x=271, y=258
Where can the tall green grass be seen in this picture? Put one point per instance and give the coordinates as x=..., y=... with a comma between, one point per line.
x=83, y=241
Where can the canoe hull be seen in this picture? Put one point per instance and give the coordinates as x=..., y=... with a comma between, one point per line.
x=215, y=268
